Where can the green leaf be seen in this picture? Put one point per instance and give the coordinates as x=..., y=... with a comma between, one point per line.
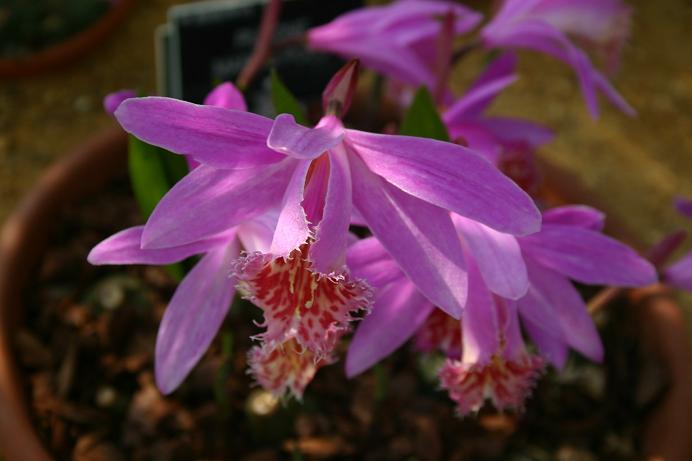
x=283, y=100
x=422, y=118
x=224, y=373
x=153, y=171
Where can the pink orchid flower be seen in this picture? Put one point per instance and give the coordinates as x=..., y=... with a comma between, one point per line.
x=399, y=40
x=201, y=301
x=543, y=25
x=401, y=186
x=508, y=277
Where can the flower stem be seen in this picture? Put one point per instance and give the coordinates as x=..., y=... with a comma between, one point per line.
x=444, y=56
x=262, y=50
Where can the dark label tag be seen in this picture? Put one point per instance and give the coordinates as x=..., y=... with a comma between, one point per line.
x=209, y=42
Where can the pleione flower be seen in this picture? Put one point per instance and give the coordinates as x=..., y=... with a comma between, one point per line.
x=400, y=39
x=401, y=186
x=509, y=278
x=544, y=25
x=495, y=364
x=201, y=301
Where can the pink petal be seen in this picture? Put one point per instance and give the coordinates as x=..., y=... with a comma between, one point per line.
x=226, y=95
x=292, y=227
x=125, y=248
x=684, y=206
x=399, y=311
x=208, y=201
x=549, y=343
x=193, y=317
x=419, y=236
x=472, y=103
x=575, y=215
x=213, y=135
x=396, y=62
x=328, y=251
x=297, y=141
x=512, y=130
x=481, y=329
x=587, y=256
x=497, y=76
x=256, y=234
x=578, y=329
x=498, y=257
x=679, y=274
x=449, y=176
x=368, y=260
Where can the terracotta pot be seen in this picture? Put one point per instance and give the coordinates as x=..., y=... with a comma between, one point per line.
x=69, y=49
x=26, y=235
x=22, y=243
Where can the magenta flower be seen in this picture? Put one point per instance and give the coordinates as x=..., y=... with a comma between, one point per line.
x=201, y=301
x=494, y=364
x=399, y=40
x=401, y=186
x=543, y=25
x=526, y=277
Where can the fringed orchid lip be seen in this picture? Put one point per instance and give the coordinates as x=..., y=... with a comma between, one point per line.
x=506, y=382
x=299, y=302
x=285, y=369
x=440, y=332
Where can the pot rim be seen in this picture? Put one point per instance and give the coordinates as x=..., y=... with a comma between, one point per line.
x=24, y=238
x=66, y=51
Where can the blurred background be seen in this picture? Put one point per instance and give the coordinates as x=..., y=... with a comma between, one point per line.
x=632, y=166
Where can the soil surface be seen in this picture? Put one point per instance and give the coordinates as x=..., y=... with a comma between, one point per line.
x=87, y=349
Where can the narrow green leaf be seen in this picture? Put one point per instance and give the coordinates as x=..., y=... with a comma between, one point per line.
x=148, y=174
x=283, y=100
x=221, y=383
x=153, y=171
x=422, y=119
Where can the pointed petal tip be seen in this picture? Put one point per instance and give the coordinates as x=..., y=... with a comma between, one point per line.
x=338, y=94
x=163, y=382
x=354, y=367
x=96, y=256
